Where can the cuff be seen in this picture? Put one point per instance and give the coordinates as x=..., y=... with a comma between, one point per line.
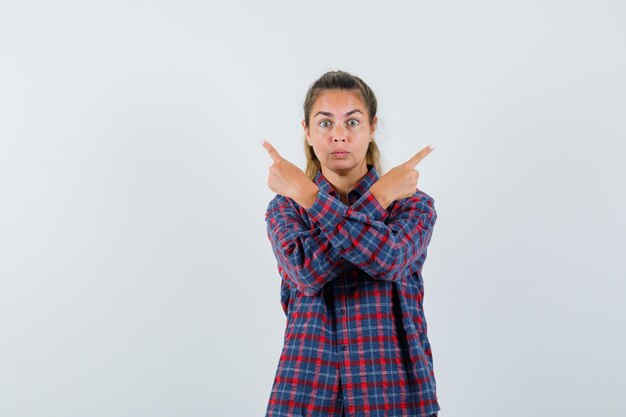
x=370, y=206
x=328, y=212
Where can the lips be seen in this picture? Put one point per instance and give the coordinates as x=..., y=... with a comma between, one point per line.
x=341, y=151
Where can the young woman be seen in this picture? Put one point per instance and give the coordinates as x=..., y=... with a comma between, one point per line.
x=350, y=245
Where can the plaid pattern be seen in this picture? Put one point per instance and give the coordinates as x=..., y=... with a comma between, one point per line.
x=352, y=290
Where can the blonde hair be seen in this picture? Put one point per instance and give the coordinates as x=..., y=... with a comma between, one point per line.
x=340, y=80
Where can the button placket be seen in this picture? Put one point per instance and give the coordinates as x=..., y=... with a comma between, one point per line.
x=342, y=319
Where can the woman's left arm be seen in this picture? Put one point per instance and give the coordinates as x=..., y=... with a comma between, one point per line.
x=382, y=250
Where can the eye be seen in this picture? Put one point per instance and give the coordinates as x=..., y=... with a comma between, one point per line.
x=353, y=120
x=324, y=121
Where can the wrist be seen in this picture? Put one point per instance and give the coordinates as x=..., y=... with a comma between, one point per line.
x=380, y=196
x=308, y=195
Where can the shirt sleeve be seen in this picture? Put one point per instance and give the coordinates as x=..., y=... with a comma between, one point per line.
x=306, y=258
x=382, y=250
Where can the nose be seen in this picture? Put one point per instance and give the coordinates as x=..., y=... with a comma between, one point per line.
x=339, y=135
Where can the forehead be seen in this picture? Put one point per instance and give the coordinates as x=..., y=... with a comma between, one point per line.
x=338, y=101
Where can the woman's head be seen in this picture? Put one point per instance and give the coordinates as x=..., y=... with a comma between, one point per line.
x=339, y=114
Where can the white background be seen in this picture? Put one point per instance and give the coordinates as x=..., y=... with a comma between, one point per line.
x=136, y=277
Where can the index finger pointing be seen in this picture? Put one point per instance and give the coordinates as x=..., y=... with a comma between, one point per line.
x=271, y=151
x=420, y=155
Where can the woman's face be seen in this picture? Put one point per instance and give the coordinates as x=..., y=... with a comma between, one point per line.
x=339, y=130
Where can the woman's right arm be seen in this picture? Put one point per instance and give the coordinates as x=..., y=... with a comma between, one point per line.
x=306, y=259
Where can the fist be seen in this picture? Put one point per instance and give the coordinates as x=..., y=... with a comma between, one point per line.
x=401, y=181
x=284, y=177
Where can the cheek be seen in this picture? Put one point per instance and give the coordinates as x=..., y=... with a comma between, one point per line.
x=320, y=133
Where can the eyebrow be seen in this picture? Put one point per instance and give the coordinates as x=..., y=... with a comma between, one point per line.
x=325, y=113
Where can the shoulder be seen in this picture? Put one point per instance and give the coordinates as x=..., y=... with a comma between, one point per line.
x=418, y=198
x=280, y=204
x=419, y=202
x=421, y=197
x=280, y=201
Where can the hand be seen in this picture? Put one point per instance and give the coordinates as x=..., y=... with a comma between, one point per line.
x=401, y=181
x=287, y=179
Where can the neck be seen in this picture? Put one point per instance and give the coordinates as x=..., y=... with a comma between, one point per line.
x=344, y=182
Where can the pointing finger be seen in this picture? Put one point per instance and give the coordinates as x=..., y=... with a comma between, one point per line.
x=420, y=155
x=271, y=151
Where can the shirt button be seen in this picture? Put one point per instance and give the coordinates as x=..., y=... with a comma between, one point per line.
x=343, y=348
x=343, y=311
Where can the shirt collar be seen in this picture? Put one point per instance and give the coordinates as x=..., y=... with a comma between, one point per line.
x=362, y=186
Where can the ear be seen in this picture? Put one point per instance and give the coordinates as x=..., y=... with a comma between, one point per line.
x=306, y=132
x=374, y=124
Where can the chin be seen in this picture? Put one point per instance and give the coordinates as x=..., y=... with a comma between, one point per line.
x=341, y=166
x=343, y=163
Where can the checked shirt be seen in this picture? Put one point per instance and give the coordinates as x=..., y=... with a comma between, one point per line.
x=352, y=291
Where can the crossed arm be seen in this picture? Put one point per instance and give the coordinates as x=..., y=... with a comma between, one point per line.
x=312, y=253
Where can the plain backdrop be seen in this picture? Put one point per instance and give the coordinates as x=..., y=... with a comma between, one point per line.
x=136, y=276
